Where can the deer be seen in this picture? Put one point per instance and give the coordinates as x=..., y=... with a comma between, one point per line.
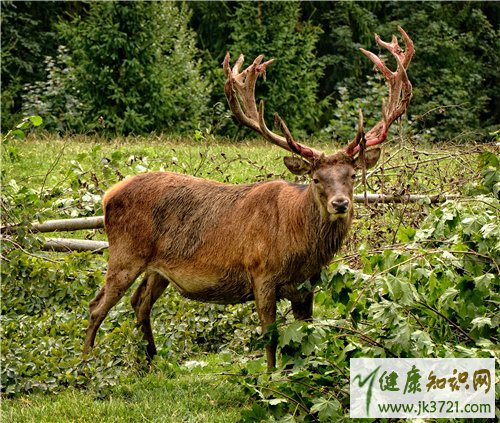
x=229, y=244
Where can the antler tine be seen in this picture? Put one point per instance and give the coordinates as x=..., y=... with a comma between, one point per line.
x=400, y=90
x=293, y=145
x=354, y=145
x=240, y=93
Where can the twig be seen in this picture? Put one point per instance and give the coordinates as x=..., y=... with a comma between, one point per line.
x=448, y=320
x=293, y=400
x=53, y=165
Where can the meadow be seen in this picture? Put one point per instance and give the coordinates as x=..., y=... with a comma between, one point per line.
x=413, y=279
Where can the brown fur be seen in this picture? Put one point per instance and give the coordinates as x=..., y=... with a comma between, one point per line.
x=224, y=243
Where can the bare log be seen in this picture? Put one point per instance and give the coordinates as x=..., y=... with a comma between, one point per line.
x=68, y=244
x=96, y=222
x=409, y=198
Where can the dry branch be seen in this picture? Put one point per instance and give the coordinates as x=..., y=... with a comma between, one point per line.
x=68, y=244
x=96, y=222
x=408, y=198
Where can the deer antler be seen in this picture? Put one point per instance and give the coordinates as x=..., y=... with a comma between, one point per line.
x=399, y=90
x=240, y=93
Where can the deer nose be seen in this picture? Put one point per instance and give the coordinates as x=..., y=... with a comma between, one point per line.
x=340, y=206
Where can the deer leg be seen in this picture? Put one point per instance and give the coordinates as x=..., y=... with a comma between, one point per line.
x=119, y=277
x=303, y=308
x=265, y=302
x=150, y=289
x=302, y=305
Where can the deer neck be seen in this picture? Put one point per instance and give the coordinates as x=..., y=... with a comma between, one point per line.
x=325, y=235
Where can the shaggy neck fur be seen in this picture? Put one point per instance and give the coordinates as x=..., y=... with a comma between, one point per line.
x=325, y=236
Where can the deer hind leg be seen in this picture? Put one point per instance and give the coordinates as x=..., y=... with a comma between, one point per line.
x=150, y=289
x=303, y=309
x=120, y=276
x=302, y=303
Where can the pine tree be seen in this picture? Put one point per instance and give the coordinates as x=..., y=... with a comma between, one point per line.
x=136, y=67
x=275, y=29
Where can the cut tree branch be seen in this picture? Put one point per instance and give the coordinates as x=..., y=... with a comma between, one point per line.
x=68, y=244
x=96, y=222
x=407, y=198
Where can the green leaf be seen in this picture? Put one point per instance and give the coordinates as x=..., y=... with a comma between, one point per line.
x=18, y=133
x=256, y=414
x=480, y=322
x=483, y=282
x=276, y=401
x=406, y=234
x=326, y=409
x=423, y=342
x=292, y=333
x=36, y=120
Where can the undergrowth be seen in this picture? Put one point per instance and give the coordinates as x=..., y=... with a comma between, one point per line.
x=413, y=280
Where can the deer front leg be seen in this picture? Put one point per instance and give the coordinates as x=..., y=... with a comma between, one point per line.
x=265, y=302
x=122, y=271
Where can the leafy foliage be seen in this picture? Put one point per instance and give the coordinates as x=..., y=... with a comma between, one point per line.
x=344, y=122
x=55, y=97
x=137, y=65
x=450, y=77
x=28, y=36
x=435, y=295
x=490, y=171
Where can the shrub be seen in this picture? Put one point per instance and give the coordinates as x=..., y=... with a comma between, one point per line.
x=275, y=30
x=136, y=67
x=56, y=97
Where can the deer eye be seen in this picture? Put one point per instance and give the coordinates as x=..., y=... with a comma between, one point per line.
x=353, y=176
x=316, y=180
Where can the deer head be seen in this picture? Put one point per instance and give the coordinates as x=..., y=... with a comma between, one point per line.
x=332, y=175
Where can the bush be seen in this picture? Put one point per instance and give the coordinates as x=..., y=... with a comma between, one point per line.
x=136, y=68
x=452, y=82
x=56, y=97
x=275, y=30
x=344, y=123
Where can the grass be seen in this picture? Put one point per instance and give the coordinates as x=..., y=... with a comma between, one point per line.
x=72, y=167
x=202, y=394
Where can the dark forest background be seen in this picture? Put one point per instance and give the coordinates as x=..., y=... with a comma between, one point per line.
x=138, y=67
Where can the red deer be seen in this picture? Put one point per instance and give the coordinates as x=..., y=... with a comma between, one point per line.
x=230, y=244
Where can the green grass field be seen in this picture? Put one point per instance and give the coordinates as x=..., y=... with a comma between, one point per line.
x=47, y=177
x=198, y=394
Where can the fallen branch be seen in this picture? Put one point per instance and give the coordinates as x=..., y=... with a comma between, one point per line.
x=96, y=222
x=68, y=244
x=409, y=198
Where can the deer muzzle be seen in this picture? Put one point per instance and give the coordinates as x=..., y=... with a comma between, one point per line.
x=338, y=207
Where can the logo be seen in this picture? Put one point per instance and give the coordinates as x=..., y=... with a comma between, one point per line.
x=422, y=387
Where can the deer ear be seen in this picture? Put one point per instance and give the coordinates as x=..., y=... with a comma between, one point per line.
x=371, y=158
x=296, y=165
